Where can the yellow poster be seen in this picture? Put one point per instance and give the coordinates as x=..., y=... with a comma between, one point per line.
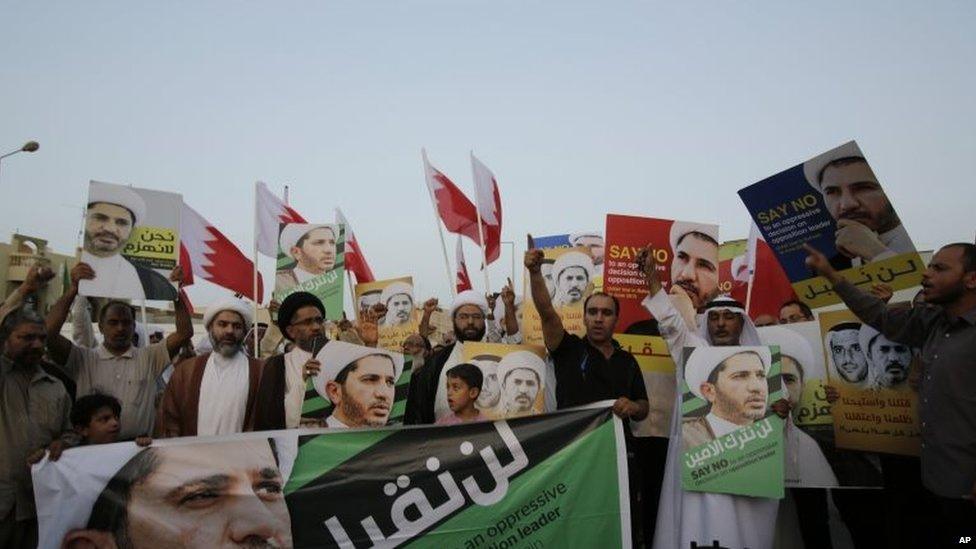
x=877, y=409
x=570, y=278
x=514, y=378
x=401, y=318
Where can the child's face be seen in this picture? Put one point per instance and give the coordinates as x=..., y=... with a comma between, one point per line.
x=103, y=427
x=459, y=394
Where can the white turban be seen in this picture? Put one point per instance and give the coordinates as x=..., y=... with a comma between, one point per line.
x=395, y=288
x=230, y=304
x=521, y=359
x=572, y=259
x=704, y=360
x=120, y=195
x=812, y=168
x=790, y=344
x=293, y=232
x=336, y=355
x=749, y=335
x=469, y=297
x=681, y=228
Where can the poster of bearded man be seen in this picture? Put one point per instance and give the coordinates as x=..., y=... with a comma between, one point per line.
x=570, y=282
x=687, y=255
x=514, y=378
x=835, y=203
x=311, y=258
x=131, y=241
x=877, y=410
x=401, y=318
x=732, y=440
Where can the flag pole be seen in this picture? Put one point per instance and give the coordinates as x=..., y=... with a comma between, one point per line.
x=752, y=251
x=437, y=221
x=352, y=296
x=254, y=282
x=481, y=231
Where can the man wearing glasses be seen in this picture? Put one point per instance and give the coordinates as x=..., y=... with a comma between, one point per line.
x=301, y=318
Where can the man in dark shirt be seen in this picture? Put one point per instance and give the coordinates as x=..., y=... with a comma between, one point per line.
x=945, y=331
x=594, y=367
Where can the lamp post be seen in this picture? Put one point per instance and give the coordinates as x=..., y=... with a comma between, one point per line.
x=29, y=147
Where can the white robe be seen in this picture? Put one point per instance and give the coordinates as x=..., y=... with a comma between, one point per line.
x=223, y=395
x=295, y=385
x=684, y=516
x=332, y=422
x=114, y=277
x=302, y=275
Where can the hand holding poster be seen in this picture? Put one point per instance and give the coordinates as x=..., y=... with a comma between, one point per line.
x=877, y=409
x=835, y=203
x=401, y=318
x=514, y=378
x=311, y=259
x=523, y=482
x=732, y=443
x=131, y=242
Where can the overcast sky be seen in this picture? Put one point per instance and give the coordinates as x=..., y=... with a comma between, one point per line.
x=580, y=109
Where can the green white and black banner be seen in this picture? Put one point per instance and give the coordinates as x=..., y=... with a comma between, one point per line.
x=554, y=480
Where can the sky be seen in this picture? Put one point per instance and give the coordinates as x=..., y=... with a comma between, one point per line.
x=579, y=108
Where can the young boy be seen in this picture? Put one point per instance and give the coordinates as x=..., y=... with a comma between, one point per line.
x=463, y=387
x=96, y=419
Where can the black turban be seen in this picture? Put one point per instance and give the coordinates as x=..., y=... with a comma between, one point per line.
x=290, y=306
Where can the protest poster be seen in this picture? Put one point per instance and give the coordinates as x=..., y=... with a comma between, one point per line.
x=695, y=246
x=132, y=242
x=732, y=442
x=569, y=274
x=514, y=378
x=336, y=355
x=526, y=482
x=877, y=410
x=311, y=258
x=835, y=203
x=812, y=457
x=401, y=318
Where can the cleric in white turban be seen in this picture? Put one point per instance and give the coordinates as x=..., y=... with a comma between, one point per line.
x=520, y=374
x=398, y=299
x=732, y=380
x=572, y=274
x=313, y=247
x=359, y=381
x=112, y=214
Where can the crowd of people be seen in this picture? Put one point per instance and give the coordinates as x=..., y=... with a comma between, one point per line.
x=57, y=393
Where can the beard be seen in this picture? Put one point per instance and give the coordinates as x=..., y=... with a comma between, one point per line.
x=854, y=375
x=357, y=412
x=469, y=334
x=226, y=347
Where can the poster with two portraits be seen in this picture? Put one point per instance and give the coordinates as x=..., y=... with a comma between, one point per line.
x=131, y=242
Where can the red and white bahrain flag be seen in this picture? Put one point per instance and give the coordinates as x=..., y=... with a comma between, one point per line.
x=453, y=207
x=489, y=203
x=461, y=282
x=206, y=253
x=355, y=260
x=271, y=211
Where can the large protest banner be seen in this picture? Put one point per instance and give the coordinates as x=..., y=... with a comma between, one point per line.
x=687, y=255
x=731, y=441
x=514, y=378
x=569, y=274
x=526, y=482
x=812, y=457
x=132, y=242
x=877, y=410
x=835, y=203
x=401, y=319
x=311, y=258
x=333, y=357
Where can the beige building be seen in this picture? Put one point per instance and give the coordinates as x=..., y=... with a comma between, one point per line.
x=23, y=251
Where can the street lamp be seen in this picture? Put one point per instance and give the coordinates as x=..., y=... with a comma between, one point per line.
x=28, y=147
